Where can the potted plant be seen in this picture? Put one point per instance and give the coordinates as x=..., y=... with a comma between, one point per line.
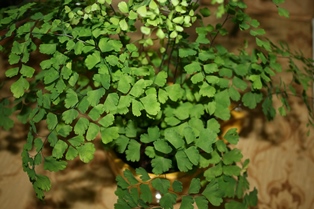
x=149, y=79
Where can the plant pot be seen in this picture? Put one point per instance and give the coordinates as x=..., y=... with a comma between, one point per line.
x=118, y=166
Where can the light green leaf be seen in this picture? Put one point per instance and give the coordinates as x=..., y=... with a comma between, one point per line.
x=12, y=72
x=111, y=102
x=92, y=132
x=109, y=134
x=71, y=98
x=92, y=60
x=124, y=84
x=150, y=104
x=211, y=68
x=123, y=7
x=123, y=25
x=47, y=48
x=232, y=136
x=86, y=152
x=193, y=67
x=69, y=115
x=52, y=164
x=76, y=141
x=161, y=78
x=59, y=149
x=232, y=156
x=81, y=126
x=27, y=71
x=206, y=139
x=107, y=120
x=283, y=12
x=231, y=170
x=19, y=87
x=175, y=92
x=94, y=96
x=52, y=121
x=71, y=153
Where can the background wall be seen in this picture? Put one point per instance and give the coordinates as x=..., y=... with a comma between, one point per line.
x=282, y=156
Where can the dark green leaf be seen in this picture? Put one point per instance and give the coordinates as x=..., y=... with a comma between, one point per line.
x=201, y=202
x=161, y=165
x=232, y=156
x=213, y=172
x=146, y=193
x=162, y=146
x=187, y=202
x=160, y=184
x=213, y=194
x=195, y=186
x=183, y=161
x=133, y=151
x=174, y=138
x=168, y=200
x=130, y=177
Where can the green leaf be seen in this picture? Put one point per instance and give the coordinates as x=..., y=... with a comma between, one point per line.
x=257, y=32
x=19, y=87
x=186, y=52
x=137, y=107
x=94, y=96
x=257, y=82
x=92, y=60
x=239, y=83
x=161, y=165
x=133, y=151
x=189, y=135
x=211, y=68
x=124, y=84
x=232, y=156
x=121, y=143
x=283, y=12
x=69, y=115
x=175, y=92
x=111, y=102
x=52, y=164
x=47, y=48
x=153, y=135
x=162, y=146
x=251, y=99
x=195, y=186
x=86, y=152
x=201, y=202
x=234, y=94
x=52, y=121
x=177, y=186
x=38, y=143
x=205, y=12
x=161, y=184
x=130, y=177
x=59, y=149
x=109, y=134
x=92, y=131
x=123, y=7
x=150, y=104
x=213, y=172
x=71, y=98
x=187, y=202
x=232, y=136
x=231, y=170
x=198, y=77
x=81, y=126
x=193, y=67
x=146, y=193
x=123, y=25
x=12, y=72
x=168, y=200
x=71, y=153
x=183, y=161
x=76, y=141
x=213, y=194
x=27, y=71
x=142, y=173
x=174, y=138
x=107, y=120
x=121, y=182
x=193, y=155
x=161, y=78
x=205, y=140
